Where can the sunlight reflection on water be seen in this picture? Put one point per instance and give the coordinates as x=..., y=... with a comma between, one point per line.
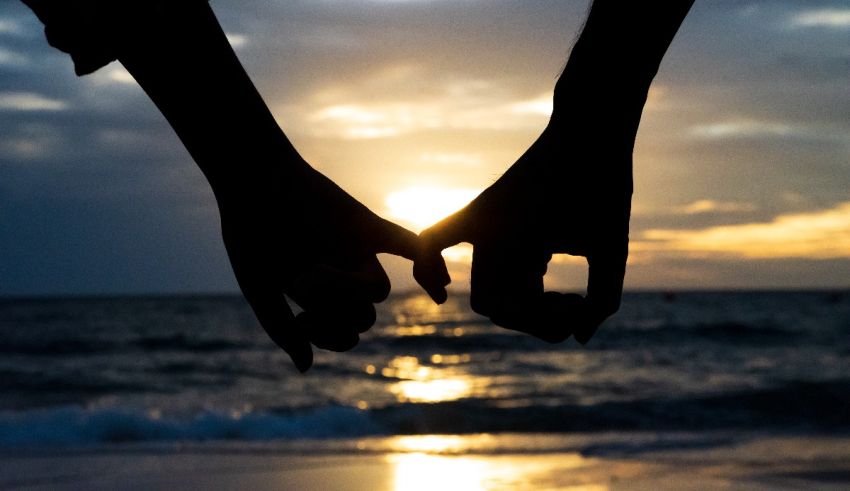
x=419, y=465
x=422, y=383
x=432, y=390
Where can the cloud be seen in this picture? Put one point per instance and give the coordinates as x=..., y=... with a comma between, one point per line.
x=237, y=41
x=121, y=75
x=12, y=58
x=9, y=26
x=25, y=148
x=30, y=142
x=542, y=106
x=28, y=101
x=823, y=234
x=745, y=128
x=466, y=104
x=827, y=18
x=111, y=75
x=712, y=206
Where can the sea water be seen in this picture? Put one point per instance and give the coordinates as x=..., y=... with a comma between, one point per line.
x=82, y=372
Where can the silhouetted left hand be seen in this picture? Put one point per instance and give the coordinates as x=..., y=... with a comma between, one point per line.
x=303, y=236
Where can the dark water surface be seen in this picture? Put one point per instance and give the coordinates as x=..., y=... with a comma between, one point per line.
x=104, y=370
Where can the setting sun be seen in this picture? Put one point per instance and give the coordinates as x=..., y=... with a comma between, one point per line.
x=420, y=207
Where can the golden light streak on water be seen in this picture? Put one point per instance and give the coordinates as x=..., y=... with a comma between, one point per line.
x=422, y=383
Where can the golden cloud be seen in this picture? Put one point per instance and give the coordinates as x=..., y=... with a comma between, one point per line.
x=823, y=234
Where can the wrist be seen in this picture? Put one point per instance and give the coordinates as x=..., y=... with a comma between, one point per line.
x=253, y=173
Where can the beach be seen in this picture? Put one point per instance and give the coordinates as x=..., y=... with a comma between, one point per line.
x=758, y=463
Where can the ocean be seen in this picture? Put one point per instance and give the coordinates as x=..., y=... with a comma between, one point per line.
x=671, y=370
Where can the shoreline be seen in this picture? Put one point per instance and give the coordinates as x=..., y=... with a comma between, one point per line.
x=766, y=462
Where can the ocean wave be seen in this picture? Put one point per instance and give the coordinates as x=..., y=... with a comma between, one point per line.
x=187, y=342
x=58, y=347
x=74, y=426
x=68, y=346
x=798, y=406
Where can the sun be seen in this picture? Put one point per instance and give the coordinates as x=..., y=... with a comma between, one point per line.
x=420, y=207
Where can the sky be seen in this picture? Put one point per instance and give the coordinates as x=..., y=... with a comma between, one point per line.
x=742, y=162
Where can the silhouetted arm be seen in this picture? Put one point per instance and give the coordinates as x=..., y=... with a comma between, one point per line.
x=287, y=228
x=607, y=77
x=571, y=191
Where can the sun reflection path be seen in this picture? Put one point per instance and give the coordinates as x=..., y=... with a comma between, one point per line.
x=422, y=383
x=418, y=471
x=432, y=390
x=421, y=464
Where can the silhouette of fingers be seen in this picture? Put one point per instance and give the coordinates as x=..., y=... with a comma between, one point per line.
x=429, y=268
x=501, y=286
x=449, y=231
x=373, y=274
x=395, y=239
x=337, y=303
x=321, y=285
x=277, y=320
x=560, y=315
x=604, y=289
x=338, y=329
x=507, y=287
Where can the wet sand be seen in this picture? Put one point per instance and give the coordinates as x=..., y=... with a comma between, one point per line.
x=763, y=463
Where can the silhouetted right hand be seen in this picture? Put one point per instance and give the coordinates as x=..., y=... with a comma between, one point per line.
x=569, y=193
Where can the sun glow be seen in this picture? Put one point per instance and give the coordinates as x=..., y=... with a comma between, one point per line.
x=420, y=206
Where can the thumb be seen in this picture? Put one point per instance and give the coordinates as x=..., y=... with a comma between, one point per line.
x=429, y=269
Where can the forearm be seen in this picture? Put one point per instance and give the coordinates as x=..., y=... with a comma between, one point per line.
x=187, y=67
x=613, y=62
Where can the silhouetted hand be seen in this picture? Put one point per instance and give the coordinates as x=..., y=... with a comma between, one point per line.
x=569, y=193
x=303, y=236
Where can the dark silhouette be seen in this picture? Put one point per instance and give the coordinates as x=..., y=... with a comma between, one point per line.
x=287, y=228
x=571, y=191
x=290, y=230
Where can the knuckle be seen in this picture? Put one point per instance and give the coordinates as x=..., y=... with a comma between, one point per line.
x=367, y=319
x=381, y=290
x=479, y=304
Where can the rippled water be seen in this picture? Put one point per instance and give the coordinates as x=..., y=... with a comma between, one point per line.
x=82, y=371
